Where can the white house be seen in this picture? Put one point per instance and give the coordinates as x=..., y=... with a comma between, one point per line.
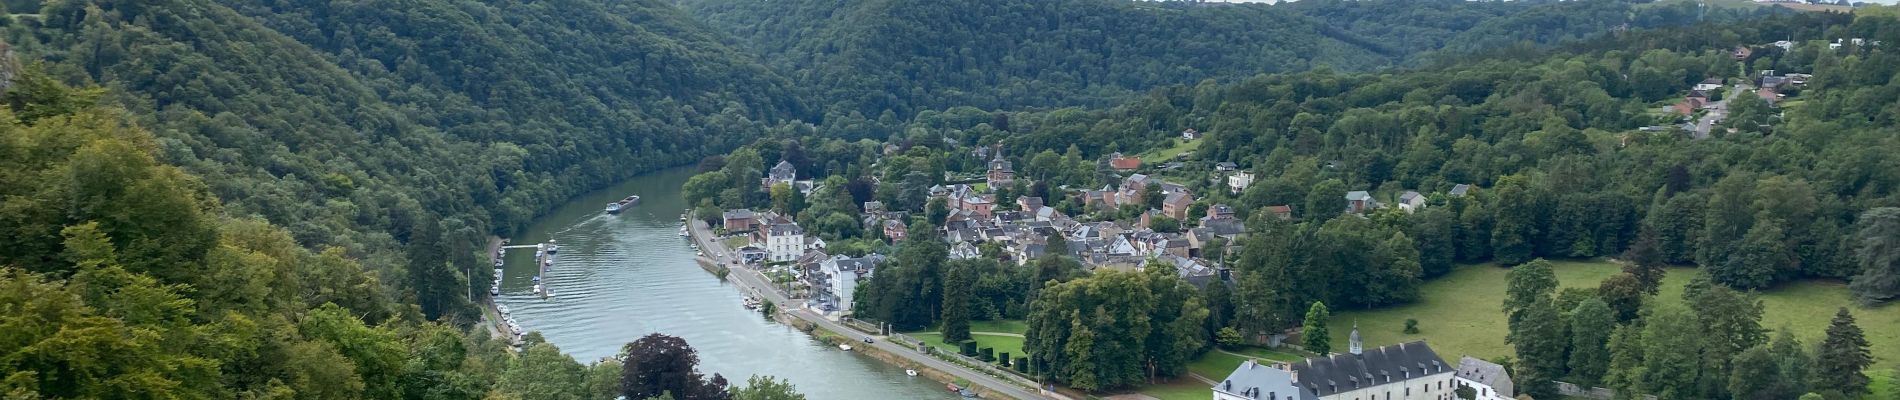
x=1411, y=201
x=1256, y=381
x=837, y=278
x=784, y=242
x=1239, y=181
x=1405, y=371
x=1488, y=381
x=784, y=173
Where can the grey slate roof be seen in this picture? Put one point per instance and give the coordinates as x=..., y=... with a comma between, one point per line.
x=786, y=229
x=1358, y=195
x=1340, y=372
x=1487, y=373
x=1255, y=381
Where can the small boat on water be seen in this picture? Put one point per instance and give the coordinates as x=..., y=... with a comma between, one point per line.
x=503, y=309
x=494, y=290
x=547, y=294
x=844, y=347
x=538, y=288
x=623, y=204
x=552, y=247
x=910, y=372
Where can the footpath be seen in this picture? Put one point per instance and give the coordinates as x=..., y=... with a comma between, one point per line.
x=756, y=283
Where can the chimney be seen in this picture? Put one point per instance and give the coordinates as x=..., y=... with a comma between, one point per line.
x=1227, y=386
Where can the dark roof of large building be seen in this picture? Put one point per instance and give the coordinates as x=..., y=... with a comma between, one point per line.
x=1346, y=372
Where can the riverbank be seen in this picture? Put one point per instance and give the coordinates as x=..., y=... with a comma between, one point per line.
x=756, y=284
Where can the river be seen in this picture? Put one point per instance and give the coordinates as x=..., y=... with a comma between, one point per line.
x=619, y=277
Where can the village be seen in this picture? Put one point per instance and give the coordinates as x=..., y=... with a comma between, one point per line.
x=1174, y=228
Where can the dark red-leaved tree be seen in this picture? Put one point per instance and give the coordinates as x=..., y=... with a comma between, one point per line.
x=659, y=365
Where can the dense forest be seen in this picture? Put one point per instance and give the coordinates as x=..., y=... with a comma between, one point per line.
x=406, y=134
x=858, y=59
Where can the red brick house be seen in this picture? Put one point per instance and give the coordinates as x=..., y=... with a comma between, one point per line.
x=1124, y=163
x=895, y=230
x=1284, y=212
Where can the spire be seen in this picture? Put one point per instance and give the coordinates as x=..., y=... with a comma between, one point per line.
x=1353, y=344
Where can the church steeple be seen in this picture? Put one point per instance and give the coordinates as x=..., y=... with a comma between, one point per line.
x=1353, y=344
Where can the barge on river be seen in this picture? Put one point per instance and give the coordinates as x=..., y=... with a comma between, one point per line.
x=623, y=204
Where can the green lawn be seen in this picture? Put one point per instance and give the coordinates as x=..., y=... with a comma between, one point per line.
x=1458, y=313
x=1007, y=325
x=1168, y=154
x=1011, y=344
x=736, y=242
x=1215, y=365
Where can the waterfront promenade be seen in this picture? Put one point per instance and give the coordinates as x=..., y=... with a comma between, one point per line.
x=756, y=283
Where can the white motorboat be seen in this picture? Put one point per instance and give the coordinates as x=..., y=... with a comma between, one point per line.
x=910, y=372
x=844, y=347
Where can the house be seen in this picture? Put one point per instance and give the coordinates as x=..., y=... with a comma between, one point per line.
x=1411, y=201
x=1359, y=201
x=1285, y=212
x=1459, y=190
x=1225, y=166
x=740, y=220
x=1770, y=95
x=1772, y=82
x=784, y=242
x=1239, y=181
x=836, y=279
x=1701, y=97
x=1219, y=211
x=1255, y=381
x=1785, y=45
x=874, y=207
x=784, y=173
x=1687, y=106
x=751, y=254
x=1123, y=163
x=1487, y=380
x=1190, y=134
x=1709, y=84
x=895, y=230
x=1105, y=198
x=964, y=251
x=1176, y=205
x=1405, y=371
x=1001, y=173
x=1029, y=203
x=1742, y=53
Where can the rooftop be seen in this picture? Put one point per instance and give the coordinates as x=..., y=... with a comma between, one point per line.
x=1345, y=372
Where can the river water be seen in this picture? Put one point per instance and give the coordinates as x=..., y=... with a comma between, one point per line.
x=620, y=277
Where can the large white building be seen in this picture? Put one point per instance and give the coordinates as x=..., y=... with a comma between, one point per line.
x=1487, y=380
x=784, y=242
x=1405, y=371
x=1256, y=381
x=837, y=277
